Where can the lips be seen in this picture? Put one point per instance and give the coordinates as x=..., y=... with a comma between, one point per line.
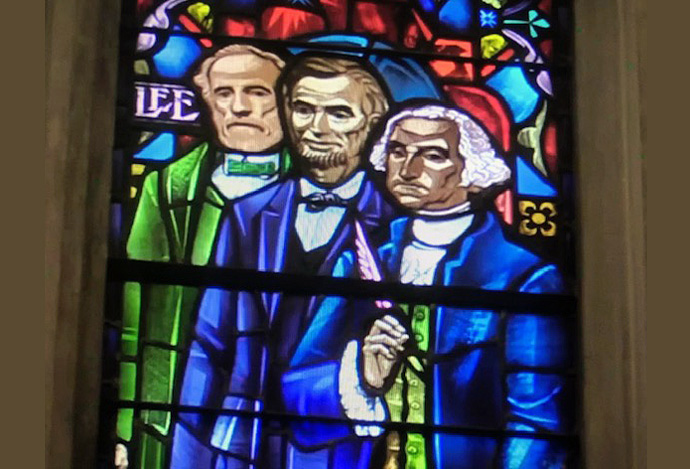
x=410, y=189
x=245, y=125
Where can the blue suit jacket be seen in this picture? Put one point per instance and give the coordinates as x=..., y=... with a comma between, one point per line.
x=470, y=385
x=243, y=340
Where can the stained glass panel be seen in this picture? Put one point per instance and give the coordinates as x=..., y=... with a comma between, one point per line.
x=461, y=368
x=341, y=236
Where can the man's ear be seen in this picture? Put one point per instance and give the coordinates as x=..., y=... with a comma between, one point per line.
x=473, y=189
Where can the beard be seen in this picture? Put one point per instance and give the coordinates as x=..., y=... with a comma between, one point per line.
x=322, y=159
x=332, y=157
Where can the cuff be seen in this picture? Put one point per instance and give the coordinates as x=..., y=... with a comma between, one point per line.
x=356, y=403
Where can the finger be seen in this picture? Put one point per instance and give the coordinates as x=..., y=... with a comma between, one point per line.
x=386, y=327
x=393, y=322
x=386, y=340
x=380, y=349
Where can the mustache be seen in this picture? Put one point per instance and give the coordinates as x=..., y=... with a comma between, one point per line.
x=322, y=160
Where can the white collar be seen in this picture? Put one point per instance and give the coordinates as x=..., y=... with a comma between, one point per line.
x=463, y=207
x=346, y=191
x=252, y=157
x=440, y=232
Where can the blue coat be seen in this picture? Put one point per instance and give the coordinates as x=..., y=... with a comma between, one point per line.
x=470, y=386
x=243, y=340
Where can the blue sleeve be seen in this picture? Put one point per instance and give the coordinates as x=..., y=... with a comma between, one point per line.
x=211, y=357
x=313, y=391
x=310, y=385
x=325, y=332
x=537, y=401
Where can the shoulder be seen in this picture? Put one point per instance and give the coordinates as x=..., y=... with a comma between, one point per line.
x=274, y=196
x=187, y=164
x=496, y=262
x=182, y=176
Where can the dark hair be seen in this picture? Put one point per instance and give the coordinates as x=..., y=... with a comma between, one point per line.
x=326, y=67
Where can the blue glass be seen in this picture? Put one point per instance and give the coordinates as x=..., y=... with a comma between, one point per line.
x=533, y=340
x=531, y=182
x=468, y=389
x=512, y=83
x=177, y=56
x=488, y=18
x=159, y=148
x=405, y=78
x=463, y=452
x=457, y=14
x=348, y=40
x=427, y=5
x=540, y=400
x=460, y=327
x=525, y=453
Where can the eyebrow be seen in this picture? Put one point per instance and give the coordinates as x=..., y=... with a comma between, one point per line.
x=258, y=87
x=341, y=108
x=302, y=103
x=443, y=151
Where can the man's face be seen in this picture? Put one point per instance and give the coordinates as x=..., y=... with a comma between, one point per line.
x=328, y=126
x=243, y=102
x=423, y=164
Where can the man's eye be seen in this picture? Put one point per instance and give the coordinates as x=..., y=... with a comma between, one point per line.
x=302, y=110
x=434, y=156
x=223, y=93
x=396, y=152
x=258, y=92
x=340, y=115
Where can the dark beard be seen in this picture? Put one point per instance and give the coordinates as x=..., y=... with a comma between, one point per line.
x=322, y=160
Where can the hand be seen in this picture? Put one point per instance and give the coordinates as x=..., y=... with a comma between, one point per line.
x=382, y=350
x=121, y=460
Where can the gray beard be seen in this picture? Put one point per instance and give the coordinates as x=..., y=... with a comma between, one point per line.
x=322, y=160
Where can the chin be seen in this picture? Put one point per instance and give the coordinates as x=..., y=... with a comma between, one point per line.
x=409, y=202
x=250, y=141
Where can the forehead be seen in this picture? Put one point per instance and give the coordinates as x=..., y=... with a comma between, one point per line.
x=341, y=89
x=415, y=129
x=244, y=66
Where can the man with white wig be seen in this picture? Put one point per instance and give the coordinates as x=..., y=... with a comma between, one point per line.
x=433, y=364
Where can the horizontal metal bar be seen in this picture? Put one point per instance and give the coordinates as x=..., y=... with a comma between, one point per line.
x=556, y=66
x=398, y=426
x=123, y=270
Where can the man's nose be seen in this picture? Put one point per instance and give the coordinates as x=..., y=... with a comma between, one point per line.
x=319, y=125
x=240, y=105
x=411, y=168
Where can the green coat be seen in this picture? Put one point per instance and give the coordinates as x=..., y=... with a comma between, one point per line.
x=175, y=221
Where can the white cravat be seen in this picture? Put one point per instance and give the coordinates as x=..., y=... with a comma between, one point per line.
x=233, y=186
x=316, y=228
x=429, y=245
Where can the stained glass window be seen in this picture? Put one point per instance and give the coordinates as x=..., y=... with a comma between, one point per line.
x=342, y=236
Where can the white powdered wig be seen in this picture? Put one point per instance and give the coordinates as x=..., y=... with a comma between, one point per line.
x=483, y=166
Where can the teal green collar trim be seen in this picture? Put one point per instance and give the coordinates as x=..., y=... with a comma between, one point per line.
x=251, y=165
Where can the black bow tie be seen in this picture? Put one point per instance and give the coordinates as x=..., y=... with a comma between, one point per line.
x=321, y=200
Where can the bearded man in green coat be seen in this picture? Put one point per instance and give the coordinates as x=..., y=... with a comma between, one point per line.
x=177, y=218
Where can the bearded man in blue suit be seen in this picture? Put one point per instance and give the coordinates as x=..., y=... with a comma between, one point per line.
x=435, y=364
x=302, y=224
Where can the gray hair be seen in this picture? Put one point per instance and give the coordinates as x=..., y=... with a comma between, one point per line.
x=201, y=79
x=483, y=167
